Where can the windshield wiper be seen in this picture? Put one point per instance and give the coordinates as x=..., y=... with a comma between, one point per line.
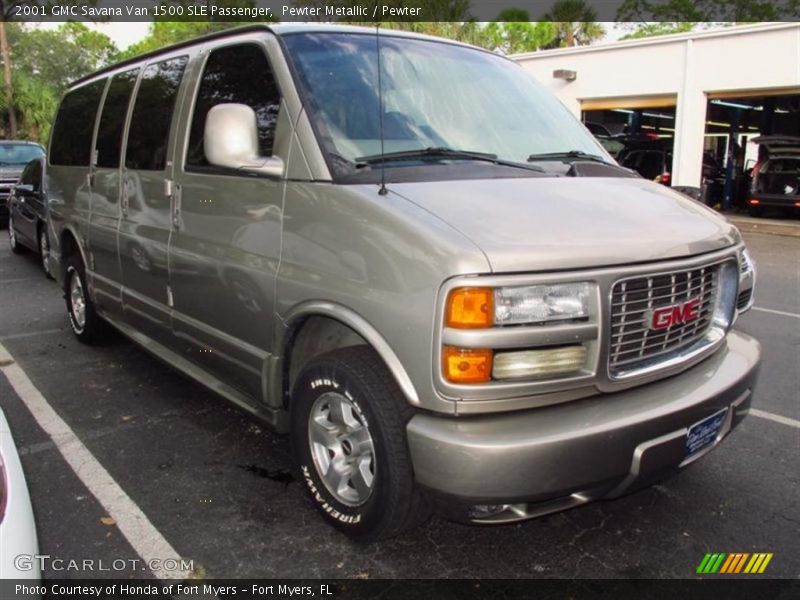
x=579, y=154
x=442, y=152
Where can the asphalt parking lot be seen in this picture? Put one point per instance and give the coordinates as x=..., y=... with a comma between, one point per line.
x=218, y=487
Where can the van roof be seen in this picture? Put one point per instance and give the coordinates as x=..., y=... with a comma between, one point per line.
x=279, y=29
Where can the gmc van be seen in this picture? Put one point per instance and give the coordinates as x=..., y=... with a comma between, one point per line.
x=434, y=280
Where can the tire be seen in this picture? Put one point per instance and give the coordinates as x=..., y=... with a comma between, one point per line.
x=44, y=250
x=13, y=242
x=755, y=211
x=86, y=324
x=363, y=508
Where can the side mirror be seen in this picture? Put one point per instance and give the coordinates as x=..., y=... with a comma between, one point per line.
x=231, y=141
x=24, y=190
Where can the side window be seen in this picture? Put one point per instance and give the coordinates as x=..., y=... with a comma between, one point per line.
x=152, y=115
x=32, y=174
x=239, y=74
x=112, y=120
x=71, y=143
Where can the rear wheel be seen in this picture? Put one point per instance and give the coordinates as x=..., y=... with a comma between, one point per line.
x=16, y=247
x=44, y=250
x=348, y=420
x=755, y=211
x=86, y=324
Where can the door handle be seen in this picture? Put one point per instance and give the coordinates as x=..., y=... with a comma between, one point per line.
x=177, y=219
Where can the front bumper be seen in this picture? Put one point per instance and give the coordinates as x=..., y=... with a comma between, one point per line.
x=519, y=465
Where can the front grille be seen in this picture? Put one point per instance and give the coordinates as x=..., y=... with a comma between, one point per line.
x=5, y=187
x=636, y=341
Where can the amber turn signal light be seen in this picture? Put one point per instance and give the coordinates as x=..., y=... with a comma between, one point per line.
x=467, y=366
x=470, y=308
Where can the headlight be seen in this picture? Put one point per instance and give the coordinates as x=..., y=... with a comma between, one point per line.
x=747, y=282
x=541, y=303
x=746, y=263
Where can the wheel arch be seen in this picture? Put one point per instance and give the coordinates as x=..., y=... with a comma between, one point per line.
x=335, y=326
x=68, y=244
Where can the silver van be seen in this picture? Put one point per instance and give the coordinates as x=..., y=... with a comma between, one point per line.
x=409, y=256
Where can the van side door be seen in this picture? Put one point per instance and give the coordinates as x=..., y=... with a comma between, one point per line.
x=145, y=226
x=227, y=232
x=106, y=186
x=70, y=164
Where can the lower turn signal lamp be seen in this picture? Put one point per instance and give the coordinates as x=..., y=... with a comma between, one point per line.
x=463, y=365
x=549, y=362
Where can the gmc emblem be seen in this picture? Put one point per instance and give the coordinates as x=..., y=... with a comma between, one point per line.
x=677, y=314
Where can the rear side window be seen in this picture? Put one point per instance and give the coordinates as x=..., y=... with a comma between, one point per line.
x=71, y=144
x=112, y=121
x=239, y=74
x=152, y=115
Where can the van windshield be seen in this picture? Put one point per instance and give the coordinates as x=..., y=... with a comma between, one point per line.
x=435, y=96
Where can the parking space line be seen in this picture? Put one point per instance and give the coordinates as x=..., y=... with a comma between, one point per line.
x=776, y=312
x=20, y=280
x=776, y=418
x=145, y=539
x=25, y=334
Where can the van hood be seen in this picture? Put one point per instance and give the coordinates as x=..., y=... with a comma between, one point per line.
x=541, y=224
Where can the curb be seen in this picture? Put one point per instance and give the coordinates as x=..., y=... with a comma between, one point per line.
x=764, y=226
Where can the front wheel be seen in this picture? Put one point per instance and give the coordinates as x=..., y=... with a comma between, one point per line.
x=348, y=420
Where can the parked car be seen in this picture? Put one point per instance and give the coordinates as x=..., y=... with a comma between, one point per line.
x=775, y=182
x=17, y=526
x=27, y=213
x=485, y=317
x=610, y=142
x=14, y=155
x=652, y=159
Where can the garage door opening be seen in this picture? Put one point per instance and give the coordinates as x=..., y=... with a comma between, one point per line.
x=740, y=129
x=639, y=134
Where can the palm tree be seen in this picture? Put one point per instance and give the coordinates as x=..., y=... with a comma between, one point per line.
x=575, y=23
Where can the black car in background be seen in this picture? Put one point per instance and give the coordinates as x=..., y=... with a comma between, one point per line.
x=652, y=159
x=14, y=155
x=775, y=179
x=27, y=213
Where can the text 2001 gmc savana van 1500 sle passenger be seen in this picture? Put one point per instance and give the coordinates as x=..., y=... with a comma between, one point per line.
x=512, y=325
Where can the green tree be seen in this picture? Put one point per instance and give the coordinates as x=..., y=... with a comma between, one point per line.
x=165, y=33
x=575, y=23
x=8, y=8
x=45, y=62
x=513, y=32
x=651, y=29
x=62, y=55
x=708, y=11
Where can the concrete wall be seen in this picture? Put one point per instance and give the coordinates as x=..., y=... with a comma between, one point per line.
x=688, y=66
